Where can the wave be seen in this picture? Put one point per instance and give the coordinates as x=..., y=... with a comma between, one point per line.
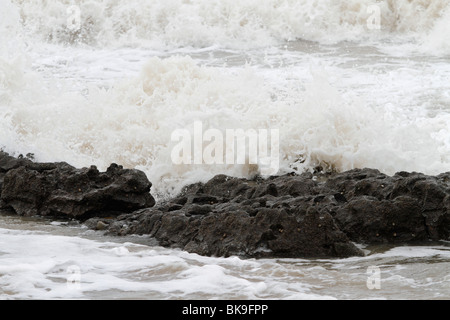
x=132, y=122
x=224, y=23
x=437, y=40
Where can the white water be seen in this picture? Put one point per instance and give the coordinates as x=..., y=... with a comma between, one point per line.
x=343, y=96
x=39, y=258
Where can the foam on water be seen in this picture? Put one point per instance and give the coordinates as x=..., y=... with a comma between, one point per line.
x=75, y=100
x=42, y=264
x=204, y=23
x=342, y=95
x=437, y=40
x=132, y=122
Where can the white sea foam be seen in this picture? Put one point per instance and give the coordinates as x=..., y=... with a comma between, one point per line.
x=38, y=265
x=342, y=94
x=132, y=122
x=44, y=264
x=204, y=23
x=437, y=40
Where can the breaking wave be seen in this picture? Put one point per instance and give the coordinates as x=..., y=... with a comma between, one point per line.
x=132, y=122
x=226, y=23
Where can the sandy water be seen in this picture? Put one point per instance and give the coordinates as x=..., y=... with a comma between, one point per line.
x=43, y=259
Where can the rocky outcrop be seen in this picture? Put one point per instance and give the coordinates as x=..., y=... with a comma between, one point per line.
x=297, y=215
x=263, y=232
x=307, y=215
x=406, y=207
x=58, y=189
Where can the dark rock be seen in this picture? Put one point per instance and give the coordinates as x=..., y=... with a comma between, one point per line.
x=307, y=215
x=295, y=185
x=367, y=219
x=228, y=187
x=269, y=233
x=2, y=176
x=58, y=189
x=199, y=210
x=8, y=162
x=300, y=215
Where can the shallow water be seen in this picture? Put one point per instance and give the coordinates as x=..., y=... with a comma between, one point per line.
x=44, y=259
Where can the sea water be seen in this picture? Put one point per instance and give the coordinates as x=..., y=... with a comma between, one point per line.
x=348, y=84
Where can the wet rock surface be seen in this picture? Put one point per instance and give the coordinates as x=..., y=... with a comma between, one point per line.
x=58, y=189
x=297, y=215
x=305, y=215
